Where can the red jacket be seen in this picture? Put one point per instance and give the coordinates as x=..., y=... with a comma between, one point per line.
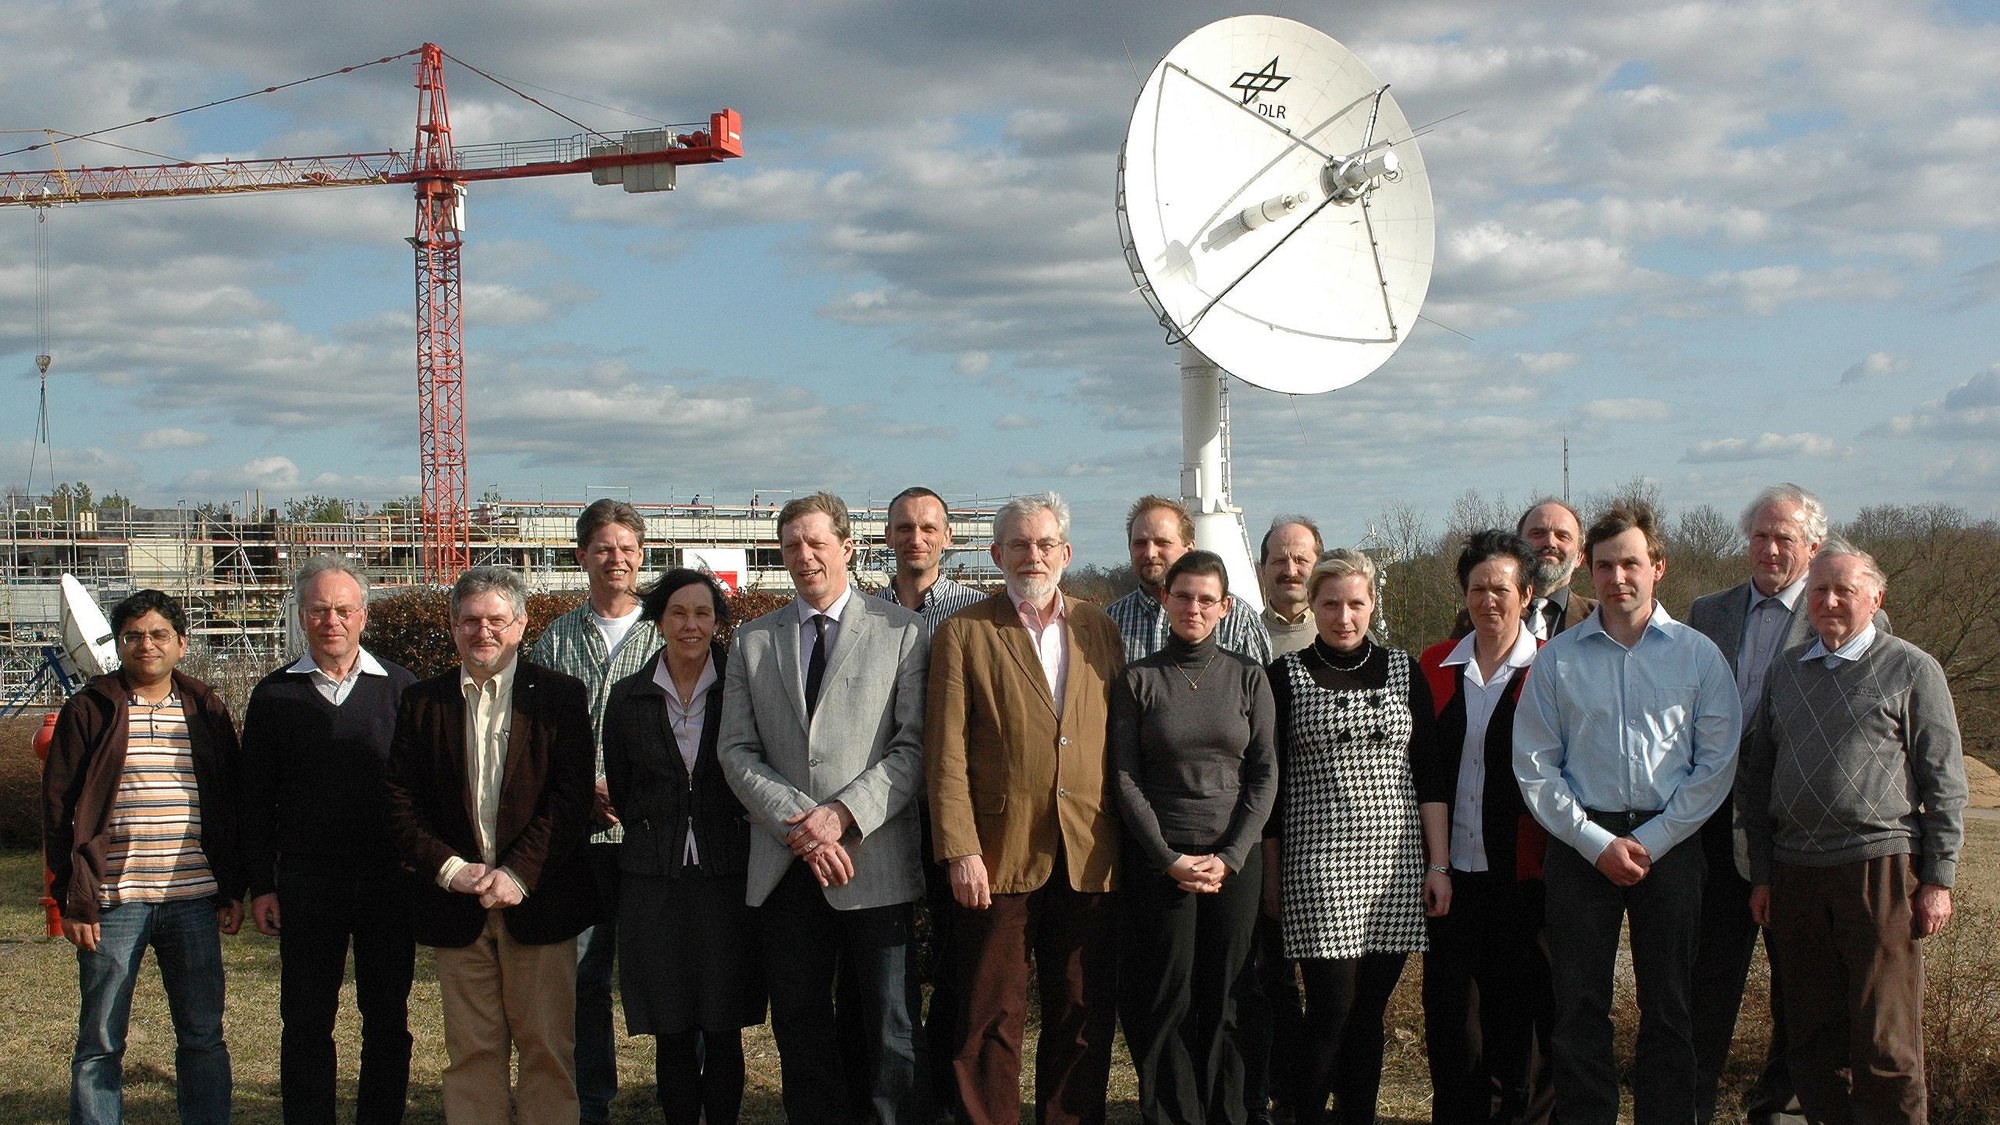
x=80, y=787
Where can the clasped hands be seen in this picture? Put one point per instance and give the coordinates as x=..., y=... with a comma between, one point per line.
x=815, y=839
x=1198, y=874
x=494, y=886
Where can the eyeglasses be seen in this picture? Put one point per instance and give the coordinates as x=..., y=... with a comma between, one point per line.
x=331, y=612
x=157, y=636
x=477, y=625
x=1202, y=600
x=1033, y=546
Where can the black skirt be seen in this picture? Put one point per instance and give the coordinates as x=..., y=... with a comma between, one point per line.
x=688, y=955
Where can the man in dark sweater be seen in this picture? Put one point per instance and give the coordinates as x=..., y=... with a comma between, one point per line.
x=1852, y=791
x=322, y=869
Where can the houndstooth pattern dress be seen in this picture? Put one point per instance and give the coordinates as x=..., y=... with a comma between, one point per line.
x=1352, y=874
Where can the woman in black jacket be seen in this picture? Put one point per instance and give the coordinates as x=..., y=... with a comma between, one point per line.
x=688, y=955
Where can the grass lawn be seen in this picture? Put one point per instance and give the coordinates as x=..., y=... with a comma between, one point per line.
x=38, y=983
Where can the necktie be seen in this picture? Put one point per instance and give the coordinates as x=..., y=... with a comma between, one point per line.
x=1538, y=622
x=816, y=666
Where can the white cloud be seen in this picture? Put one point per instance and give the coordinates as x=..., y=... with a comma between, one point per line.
x=1968, y=412
x=1615, y=411
x=1874, y=365
x=1763, y=447
x=171, y=437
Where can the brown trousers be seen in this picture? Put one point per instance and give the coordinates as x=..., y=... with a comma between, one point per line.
x=1853, y=991
x=499, y=996
x=1075, y=941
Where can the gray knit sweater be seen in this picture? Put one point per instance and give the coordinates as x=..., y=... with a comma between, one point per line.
x=1854, y=762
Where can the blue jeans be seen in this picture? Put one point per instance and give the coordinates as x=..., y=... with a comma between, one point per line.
x=184, y=939
x=596, y=963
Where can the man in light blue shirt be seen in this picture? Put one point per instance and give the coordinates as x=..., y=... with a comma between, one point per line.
x=1624, y=745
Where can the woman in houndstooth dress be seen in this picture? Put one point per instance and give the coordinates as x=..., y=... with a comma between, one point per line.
x=1362, y=813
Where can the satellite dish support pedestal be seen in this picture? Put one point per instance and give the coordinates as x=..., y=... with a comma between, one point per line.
x=1218, y=523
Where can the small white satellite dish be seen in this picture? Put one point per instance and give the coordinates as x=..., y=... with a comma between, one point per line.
x=88, y=649
x=1276, y=215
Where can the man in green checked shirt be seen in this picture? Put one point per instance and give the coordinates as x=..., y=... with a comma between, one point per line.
x=601, y=642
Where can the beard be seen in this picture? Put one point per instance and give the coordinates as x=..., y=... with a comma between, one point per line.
x=1034, y=590
x=1551, y=574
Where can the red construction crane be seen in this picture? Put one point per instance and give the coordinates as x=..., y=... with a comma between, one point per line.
x=639, y=161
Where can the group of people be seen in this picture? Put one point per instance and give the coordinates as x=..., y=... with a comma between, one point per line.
x=1226, y=829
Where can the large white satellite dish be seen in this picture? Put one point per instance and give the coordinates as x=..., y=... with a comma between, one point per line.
x=1276, y=215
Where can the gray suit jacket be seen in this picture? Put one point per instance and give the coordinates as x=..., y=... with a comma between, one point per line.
x=864, y=747
x=1719, y=617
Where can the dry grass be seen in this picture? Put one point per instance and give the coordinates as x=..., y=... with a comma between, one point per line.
x=37, y=977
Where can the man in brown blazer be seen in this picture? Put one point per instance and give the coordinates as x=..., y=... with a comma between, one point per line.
x=1014, y=755
x=490, y=780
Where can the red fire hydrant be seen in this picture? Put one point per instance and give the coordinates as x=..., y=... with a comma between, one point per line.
x=44, y=738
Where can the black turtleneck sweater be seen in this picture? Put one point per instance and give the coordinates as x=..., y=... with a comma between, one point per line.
x=1193, y=753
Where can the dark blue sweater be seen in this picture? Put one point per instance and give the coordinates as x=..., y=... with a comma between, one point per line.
x=310, y=777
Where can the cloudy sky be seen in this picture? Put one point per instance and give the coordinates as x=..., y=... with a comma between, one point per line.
x=1716, y=244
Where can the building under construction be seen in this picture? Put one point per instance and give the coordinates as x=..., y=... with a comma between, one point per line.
x=233, y=573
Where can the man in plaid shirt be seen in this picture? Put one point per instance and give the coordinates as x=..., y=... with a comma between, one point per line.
x=1159, y=531
x=601, y=642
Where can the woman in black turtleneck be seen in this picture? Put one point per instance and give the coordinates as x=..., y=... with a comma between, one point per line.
x=1361, y=832
x=1194, y=774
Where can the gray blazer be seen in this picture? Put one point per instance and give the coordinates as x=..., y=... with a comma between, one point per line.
x=1719, y=617
x=863, y=749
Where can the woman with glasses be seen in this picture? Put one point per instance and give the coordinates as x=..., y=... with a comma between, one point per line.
x=688, y=953
x=1194, y=774
x=1361, y=832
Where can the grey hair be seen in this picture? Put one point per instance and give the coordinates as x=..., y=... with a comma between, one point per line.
x=1812, y=513
x=1341, y=562
x=1836, y=547
x=1021, y=507
x=320, y=565
x=490, y=580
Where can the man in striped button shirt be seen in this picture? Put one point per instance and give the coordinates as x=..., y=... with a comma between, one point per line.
x=137, y=819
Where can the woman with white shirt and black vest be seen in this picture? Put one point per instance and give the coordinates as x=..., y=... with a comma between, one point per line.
x=688, y=951
x=1487, y=993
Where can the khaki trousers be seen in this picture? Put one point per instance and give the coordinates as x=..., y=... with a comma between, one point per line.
x=500, y=996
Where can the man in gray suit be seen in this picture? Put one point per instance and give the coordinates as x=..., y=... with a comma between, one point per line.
x=1751, y=623
x=822, y=740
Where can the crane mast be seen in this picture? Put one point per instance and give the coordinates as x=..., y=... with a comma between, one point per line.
x=440, y=331
x=638, y=161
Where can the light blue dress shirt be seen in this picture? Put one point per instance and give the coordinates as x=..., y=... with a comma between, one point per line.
x=1606, y=728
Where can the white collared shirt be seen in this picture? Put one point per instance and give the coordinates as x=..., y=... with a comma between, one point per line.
x=1853, y=649
x=1050, y=640
x=1482, y=698
x=489, y=716
x=332, y=690
x=685, y=718
x=807, y=636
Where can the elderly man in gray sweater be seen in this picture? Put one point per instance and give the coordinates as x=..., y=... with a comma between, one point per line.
x=1851, y=790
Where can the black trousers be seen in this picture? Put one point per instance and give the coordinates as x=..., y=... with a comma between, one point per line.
x=1728, y=943
x=1184, y=972
x=808, y=946
x=319, y=917
x=1489, y=1004
x=1273, y=1024
x=1585, y=913
x=1345, y=1000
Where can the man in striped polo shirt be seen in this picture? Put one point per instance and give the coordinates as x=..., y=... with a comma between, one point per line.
x=137, y=824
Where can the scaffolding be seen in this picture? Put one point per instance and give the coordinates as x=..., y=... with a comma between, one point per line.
x=232, y=572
